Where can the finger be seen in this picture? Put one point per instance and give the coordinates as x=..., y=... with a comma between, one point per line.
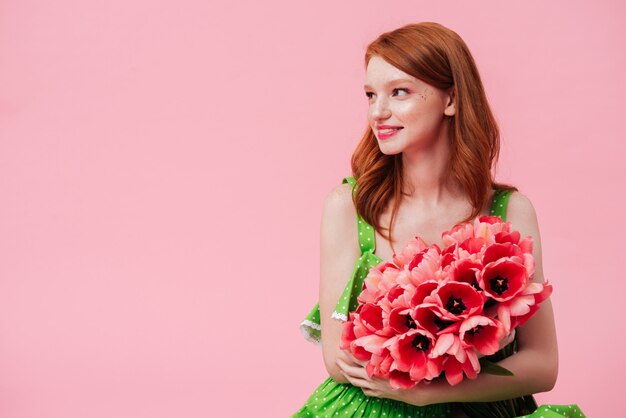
x=349, y=358
x=355, y=370
x=362, y=363
x=343, y=367
x=369, y=392
x=356, y=381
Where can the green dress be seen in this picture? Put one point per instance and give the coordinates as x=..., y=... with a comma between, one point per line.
x=332, y=399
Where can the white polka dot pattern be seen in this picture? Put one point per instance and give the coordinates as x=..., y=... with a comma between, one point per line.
x=333, y=399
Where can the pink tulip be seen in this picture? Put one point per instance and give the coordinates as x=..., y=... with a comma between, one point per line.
x=347, y=333
x=493, y=230
x=474, y=245
x=454, y=369
x=456, y=300
x=425, y=266
x=379, y=364
x=427, y=316
x=488, y=227
x=459, y=233
x=371, y=318
x=483, y=333
x=410, y=352
x=401, y=320
x=363, y=348
x=465, y=271
x=422, y=291
x=518, y=310
x=415, y=246
x=450, y=344
x=503, y=279
x=379, y=280
x=432, y=310
x=496, y=251
x=449, y=255
x=400, y=380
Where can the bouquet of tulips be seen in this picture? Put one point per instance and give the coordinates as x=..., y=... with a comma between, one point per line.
x=435, y=311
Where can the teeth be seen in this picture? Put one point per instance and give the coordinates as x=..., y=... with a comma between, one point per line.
x=386, y=131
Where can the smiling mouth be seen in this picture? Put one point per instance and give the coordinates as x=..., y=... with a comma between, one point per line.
x=387, y=133
x=388, y=130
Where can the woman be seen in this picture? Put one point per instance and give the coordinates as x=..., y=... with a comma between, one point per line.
x=423, y=165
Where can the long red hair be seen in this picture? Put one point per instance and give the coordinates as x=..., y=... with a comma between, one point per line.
x=439, y=57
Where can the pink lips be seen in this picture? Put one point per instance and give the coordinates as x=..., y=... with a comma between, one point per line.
x=388, y=134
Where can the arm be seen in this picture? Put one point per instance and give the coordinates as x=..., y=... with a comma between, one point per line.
x=535, y=364
x=339, y=250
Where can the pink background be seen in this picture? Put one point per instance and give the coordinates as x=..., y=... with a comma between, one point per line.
x=163, y=166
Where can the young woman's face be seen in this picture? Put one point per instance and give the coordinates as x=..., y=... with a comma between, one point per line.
x=404, y=112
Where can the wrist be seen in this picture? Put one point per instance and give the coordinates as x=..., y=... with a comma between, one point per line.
x=420, y=395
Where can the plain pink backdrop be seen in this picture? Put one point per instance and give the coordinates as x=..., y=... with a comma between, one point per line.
x=162, y=171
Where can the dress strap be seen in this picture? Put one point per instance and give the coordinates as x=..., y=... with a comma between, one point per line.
x=499, y=203
x=367, y=235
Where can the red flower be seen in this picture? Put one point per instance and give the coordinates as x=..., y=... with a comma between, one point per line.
x=449, y=255
x=380, y=279
x=411, y=351
x=347, y=333
x=483, y=333
x=425, y=266
x=459, y=233
x=348, y=339
x=454, y=369
x=414, y=247
x=401, y=320
x=473, y=245
x=433, y=310
x=457, y=356
x=503, y=279
x=369, y=321
x=364, y=347
x=428, y=317
x=400, y=380
x=517, y=311
x=465, y=271
x=496, y=251
x=456, y=300
x=379, y=364
x=449, y=343
x=489, y=226
x=422, y=291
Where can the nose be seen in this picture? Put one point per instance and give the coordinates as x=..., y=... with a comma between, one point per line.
x=379, y=110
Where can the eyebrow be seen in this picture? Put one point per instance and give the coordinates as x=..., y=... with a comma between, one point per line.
x=396, y=81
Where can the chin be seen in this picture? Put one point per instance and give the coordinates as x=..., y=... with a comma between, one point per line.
x=390, y=152
x=388, y=149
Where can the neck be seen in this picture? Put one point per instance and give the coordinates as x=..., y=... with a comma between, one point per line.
x=424, y=173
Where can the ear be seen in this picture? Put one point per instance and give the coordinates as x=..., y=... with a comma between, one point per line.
x=450, y=109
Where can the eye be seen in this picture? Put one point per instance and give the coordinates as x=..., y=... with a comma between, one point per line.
x=406, y=91
x=369, y=94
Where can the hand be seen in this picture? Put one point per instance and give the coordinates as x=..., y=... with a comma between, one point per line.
x=349, y=359
x=354, y=371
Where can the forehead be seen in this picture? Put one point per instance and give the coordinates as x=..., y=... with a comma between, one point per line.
x=379, y=73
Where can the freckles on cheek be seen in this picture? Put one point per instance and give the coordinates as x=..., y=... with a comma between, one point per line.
x=424, y=95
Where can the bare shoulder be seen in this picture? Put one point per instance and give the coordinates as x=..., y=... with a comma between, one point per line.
x=339, y=198
x=338, y=206
x=339, y=227
x=521, y=212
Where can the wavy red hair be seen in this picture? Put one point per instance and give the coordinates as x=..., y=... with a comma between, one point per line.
x=439, y=57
